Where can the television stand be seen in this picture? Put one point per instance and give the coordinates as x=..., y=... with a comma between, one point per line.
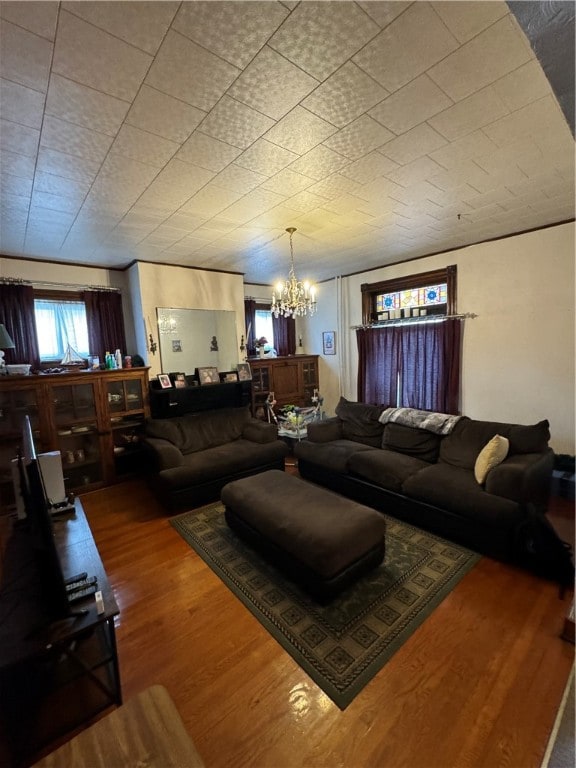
x=56, y=675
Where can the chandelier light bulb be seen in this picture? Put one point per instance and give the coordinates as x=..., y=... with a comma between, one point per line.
x=293, y=298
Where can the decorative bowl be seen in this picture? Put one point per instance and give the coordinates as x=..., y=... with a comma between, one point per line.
x=19, y=369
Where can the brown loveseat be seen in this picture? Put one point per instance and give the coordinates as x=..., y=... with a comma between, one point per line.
x=428, y=479
x=195, y=455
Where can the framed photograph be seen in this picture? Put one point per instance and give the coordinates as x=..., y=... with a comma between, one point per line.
x=244, y=372
x=176, y=345
x=164, y=380
x=208, y=375
x=329, y=342
x=228, y=376
x=178, y=379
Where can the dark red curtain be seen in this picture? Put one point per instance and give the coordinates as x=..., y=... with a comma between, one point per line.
x=284, y=335
x=430, y=365
x=250, y=324
x=105, y=322
x=17, y=315
x=378, y=364
x=424, y=358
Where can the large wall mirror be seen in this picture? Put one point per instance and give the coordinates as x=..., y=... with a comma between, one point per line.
x=196, y=338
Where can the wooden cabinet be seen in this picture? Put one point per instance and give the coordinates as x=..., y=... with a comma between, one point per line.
x=293, y=380
x=93, y=418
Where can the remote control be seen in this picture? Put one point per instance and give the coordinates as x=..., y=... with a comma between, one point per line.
x=81, y=584
x=80, y=594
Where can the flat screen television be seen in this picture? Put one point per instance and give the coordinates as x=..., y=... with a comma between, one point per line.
x=38, y=523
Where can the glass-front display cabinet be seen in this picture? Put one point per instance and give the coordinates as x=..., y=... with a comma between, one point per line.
x=94, y=418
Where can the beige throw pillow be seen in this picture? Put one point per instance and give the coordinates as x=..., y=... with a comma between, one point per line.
x=493, y=453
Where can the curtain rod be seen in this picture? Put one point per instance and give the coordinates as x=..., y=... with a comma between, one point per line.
x=75, y=286
x=409, y=320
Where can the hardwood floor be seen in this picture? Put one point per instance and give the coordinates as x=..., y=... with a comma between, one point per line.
x=478, y=684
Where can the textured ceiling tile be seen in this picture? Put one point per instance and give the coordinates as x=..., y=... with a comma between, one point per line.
x=57, y=202
x=143, y=146
x=415, y=143
x=58, y=185
x=411, y=105
x=142, y=24
x=305, y=201
x=345, y=95
x=37, y=17
x=175, y=61
x=15, y=185
x=63, y=164
x=24, y=57
x=211, y=200
x=288, y=182
x=466, y=20
x=359, y=138
x=74, y=140
x=87, y=55
x=300, y=131
x=334, y=185
x=266, y=158
x=272, y=85
x=367, y=168
x=414, y=172
x=238, y=179
x=235, y=31
x=20, y=104
x=474, y=112
x=526, y=84
x=235, y=123
x=251, y=205
x=280, y=216
x=207, y=152
x=184, y=176
x=85, y=106
x=129, y=174
x=542, y=117
x=383, y=12
x=497, y=51
x=320, y=36
x=319, y=162
x=164, y=115
x=19, y=138
x=473, y=145
x=412, y=43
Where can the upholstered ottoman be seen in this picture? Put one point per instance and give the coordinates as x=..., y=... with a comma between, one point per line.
x=321, y=540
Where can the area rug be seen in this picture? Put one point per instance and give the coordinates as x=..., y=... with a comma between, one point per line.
x=343, y=644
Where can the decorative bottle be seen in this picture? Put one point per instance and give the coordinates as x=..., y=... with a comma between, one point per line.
x=118, y=358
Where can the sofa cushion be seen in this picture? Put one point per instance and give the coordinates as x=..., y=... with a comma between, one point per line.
x=221, y=461
x=461, y=447
x=455, y=489
x=493, y=453
x=333, y=455
x=198, y=431
x=360, y=422
x=384, y=468
x=418, y=443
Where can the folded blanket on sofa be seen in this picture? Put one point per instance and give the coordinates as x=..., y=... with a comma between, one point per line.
x=439, y=423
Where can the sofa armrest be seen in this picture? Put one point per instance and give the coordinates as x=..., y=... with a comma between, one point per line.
x=165, y=454
x=523, y=477
x=260, y=431
x=325, y=431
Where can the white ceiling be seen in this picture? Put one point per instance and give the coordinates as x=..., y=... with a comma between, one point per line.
x=194, y=133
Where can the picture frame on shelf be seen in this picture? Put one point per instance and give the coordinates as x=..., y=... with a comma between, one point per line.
x=329, y=342
x=164, y=381
x=229, y=376
x=178, y=379
x=208, y=375
x=244, y=372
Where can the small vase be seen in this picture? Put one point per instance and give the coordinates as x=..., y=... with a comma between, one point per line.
x=261, y=351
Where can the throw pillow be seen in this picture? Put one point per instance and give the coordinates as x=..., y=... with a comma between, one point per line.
x=493, y=453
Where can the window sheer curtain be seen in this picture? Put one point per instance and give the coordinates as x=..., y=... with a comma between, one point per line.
x=105, y=322
x=250, y=324
x=17, y=314
x=414, y=366
x=60, y=325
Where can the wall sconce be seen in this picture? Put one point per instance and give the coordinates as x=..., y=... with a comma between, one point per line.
x=152, y=346
x=242, y=345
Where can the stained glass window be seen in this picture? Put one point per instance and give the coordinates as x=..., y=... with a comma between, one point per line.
x=430, y=295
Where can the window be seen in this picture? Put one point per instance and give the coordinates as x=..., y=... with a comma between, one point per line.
x=60, y=321
x=263, y=326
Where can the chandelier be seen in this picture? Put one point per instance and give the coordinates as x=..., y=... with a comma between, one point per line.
x=293, y=298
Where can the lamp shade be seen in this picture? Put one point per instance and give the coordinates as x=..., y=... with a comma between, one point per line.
x=5, y=338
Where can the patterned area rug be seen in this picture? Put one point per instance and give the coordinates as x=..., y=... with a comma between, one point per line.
x=342, y=645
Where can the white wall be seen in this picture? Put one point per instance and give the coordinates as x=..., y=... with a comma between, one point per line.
x=518, y=354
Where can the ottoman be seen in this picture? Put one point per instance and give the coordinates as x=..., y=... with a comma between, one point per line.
x=321, y=540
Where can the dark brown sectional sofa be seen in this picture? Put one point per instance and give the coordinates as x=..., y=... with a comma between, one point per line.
x=193, y=456
x=428, y=480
